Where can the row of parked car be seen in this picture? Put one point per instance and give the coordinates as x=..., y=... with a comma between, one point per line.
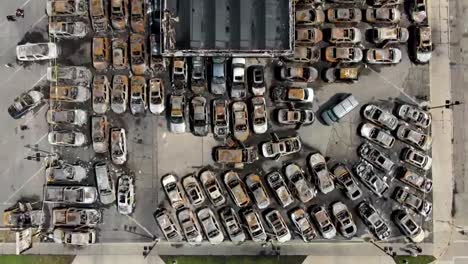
x=119, y=13
x=70, y=192
x=342, y=217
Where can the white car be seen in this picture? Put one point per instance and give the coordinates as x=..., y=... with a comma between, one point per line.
x=210, y=225
x=65, y=172
x=118, y=146
x=303, y=188
x=414, y=137
x=212, y=188
x=66, y=138
x=416, y=158
x=380, y=117
x=240, y=121
x=75, y=117
x=323, y=222
x=238, y=78
x=156, y=96
x=295, y=117
x=281, y=147
x=177, y=115
x=37, y=51
x=377, y=135
x=74, y=237
x=190, y=226
x=344, y=219
x=125, y=195
x=100, y=134
x=25, y=103
x=167, y=225
x=413, y=115
x=173, y=191
x=318, y=166
x=104, y=183
x=277, y=223
x=259, y=115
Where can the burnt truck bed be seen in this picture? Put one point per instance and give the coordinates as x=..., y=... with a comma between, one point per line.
x=223, y=27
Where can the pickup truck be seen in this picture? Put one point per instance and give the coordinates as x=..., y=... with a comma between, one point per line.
x=70, y=194
x=235, y=156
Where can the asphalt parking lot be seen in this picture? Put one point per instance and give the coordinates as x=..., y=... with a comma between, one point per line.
x=155, y=152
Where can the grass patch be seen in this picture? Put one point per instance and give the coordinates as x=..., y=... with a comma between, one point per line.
x=423, y=259
x=233, y=259
x=36, y=259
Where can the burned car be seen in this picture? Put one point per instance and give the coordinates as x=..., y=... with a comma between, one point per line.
x=377, y=184
x=104, y=183
x=259, y=115
x=98, y=13
x=303, y=225
x=212, y=187
x=235, y=156
x=306, y=54
x=389, y=34
x=376, y=157
x=76, y=75
x=65, y=172
x=119, y=14
x=25, y=103
x=66, y=138
x=210, y=225
x=309, y=16
x=67, y=30
x=238, y=90
x=304, y=189
x=377, y=135
x=70, y=194
x=277, y=223
x=374, y=221
x=75, y=217
x=281, y=147
x=81, y=237
x=101, y=53
x=414, y=115
x=193, y=190
x=138, y=16
x=199, y=116
x=280, y=188
x=119, y=94
x=257, y=79
x=118, y=145
x=236, y=188
x=298, y=74
x=344, y=219
x=101, y=95
x=414, y=137
x=383, y=56
x=293, y=94
x=190, y=226
x=409, y=226
x=344, y=177
x=296, y=117
x=125, y=195
x=138, y=102
x=318, y=167
x=220, y=118
x=218, y=79
x=232, y=224
x=119, y=54
x=323, y=222
x=412, y=201
x=416, y=158
x=173, y=191
x=177, y=114
x=67, y=8
x=256, y=187
x=138, y=58
x=308, y=35
x=100, y=133
x=344, y=15
x=342, y=74
x=199, y=78
x=343, y=54
x=383, y=15
x=179, y=72
x=254, y=225
x=167, y=225
x=422, y=47
x=380, y=117
x=75, y=117
x=240, y=121
x=346, y=35
x=156, y=96
x=417, y=181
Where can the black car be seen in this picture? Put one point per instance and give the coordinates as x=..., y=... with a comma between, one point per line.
x=25, y=103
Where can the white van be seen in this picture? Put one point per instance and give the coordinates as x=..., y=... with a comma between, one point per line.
x=338, y=111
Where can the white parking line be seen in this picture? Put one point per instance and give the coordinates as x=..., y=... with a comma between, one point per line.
x=141, y=226
x=25, y=183
x=24, y=4
x=11, y=76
